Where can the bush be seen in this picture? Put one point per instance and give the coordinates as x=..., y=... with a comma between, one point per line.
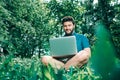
x=31, y=69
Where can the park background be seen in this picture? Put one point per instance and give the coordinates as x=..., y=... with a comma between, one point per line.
x=27, y=25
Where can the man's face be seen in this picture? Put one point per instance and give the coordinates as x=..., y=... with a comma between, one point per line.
x=68, y=27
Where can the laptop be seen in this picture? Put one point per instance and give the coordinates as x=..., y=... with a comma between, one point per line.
x=63, y=46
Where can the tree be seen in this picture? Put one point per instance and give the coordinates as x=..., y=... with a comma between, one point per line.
x=23, y=22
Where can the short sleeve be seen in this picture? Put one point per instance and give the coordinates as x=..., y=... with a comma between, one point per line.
x=85, y=42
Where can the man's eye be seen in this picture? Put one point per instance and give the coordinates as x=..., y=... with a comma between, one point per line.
x=65, y=26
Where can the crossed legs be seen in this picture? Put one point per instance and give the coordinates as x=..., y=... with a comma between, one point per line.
x=77, y=61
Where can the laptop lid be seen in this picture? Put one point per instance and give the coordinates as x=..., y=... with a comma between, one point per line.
x=63, y=46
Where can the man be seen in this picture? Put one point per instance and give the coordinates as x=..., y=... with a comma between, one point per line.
x=83, y=49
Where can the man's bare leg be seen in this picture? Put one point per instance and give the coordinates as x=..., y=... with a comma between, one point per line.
x=78, y=60
x=53, y=62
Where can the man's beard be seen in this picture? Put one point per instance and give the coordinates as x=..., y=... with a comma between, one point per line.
x=69, y=34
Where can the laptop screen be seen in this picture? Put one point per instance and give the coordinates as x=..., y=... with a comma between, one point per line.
x=63, y=46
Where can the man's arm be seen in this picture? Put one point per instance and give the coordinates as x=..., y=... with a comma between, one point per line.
x=85, y=51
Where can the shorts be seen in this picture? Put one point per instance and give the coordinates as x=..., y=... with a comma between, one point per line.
x=64, y=60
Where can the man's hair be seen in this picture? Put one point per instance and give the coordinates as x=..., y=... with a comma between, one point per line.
x=68, y=18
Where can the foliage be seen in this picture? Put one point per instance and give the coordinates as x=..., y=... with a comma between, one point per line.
x=18, y=68
x=27, y=25
x=26, y=29
x=102, y=49
x=115, y=29
x=108, y=13
x=23, y=26
x=32, y=69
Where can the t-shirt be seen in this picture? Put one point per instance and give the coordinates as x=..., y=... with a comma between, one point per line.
x=82, y=41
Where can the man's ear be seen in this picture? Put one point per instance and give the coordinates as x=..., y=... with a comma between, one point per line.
x=74, y=25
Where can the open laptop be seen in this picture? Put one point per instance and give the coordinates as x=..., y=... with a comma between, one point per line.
x=63, y=46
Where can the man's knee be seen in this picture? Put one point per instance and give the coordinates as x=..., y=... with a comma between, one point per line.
x=83, y=57
x=45, y=59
